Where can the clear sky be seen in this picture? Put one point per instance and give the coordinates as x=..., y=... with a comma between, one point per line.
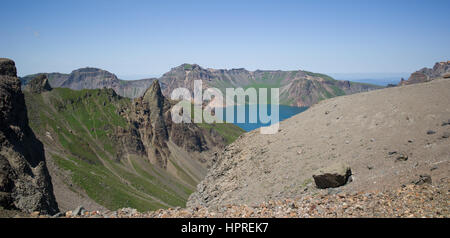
x=138, y=38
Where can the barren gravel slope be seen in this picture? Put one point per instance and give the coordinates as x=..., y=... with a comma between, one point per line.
x=360, y=130
x=409, y=201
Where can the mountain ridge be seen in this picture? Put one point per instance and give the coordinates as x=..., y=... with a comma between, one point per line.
x=297, y=88
x=108, y=151
x=94, y=78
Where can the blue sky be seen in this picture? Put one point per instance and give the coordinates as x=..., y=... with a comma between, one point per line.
x=140, y=38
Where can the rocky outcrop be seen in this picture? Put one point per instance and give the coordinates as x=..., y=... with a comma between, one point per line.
x=24, y=180
x=39, y=84
x=151, y=117
x=7, y=68
x=440, y=70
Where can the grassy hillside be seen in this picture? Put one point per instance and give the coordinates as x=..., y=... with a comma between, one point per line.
x=80, y=130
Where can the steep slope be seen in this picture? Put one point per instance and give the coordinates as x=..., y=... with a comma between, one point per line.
x=440, y=70
x=24, y=180
x=116, y=151
x=93, y=78
x=389, y=137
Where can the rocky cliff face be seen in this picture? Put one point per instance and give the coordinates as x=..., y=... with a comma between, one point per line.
x=24, y=180
x=440, y=70
x=151, y=116
x=93, y=78
x=297, y=88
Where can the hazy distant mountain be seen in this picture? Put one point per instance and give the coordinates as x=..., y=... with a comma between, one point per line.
x=297, y=88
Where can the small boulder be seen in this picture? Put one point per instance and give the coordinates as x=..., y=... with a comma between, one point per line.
x=333, y=176
x=431, y=132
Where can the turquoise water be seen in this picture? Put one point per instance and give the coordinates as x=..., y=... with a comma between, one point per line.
x=285, y=112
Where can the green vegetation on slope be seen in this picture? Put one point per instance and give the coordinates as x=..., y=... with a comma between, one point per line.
x=228, y=131
x=80, y=129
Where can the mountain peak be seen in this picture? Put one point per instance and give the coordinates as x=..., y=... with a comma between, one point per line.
x=39, y=84
x=154, y=91
x=89, y=70
x=189, y=67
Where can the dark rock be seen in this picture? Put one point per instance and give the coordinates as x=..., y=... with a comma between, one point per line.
x=446, y=135
x=431, y=132
x=332, y=177
x=7, y=67
x=24, y=180
x=423, y=179
x=392, y=152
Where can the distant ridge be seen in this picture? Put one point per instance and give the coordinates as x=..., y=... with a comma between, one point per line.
x=297, y=88
x=94, y=78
